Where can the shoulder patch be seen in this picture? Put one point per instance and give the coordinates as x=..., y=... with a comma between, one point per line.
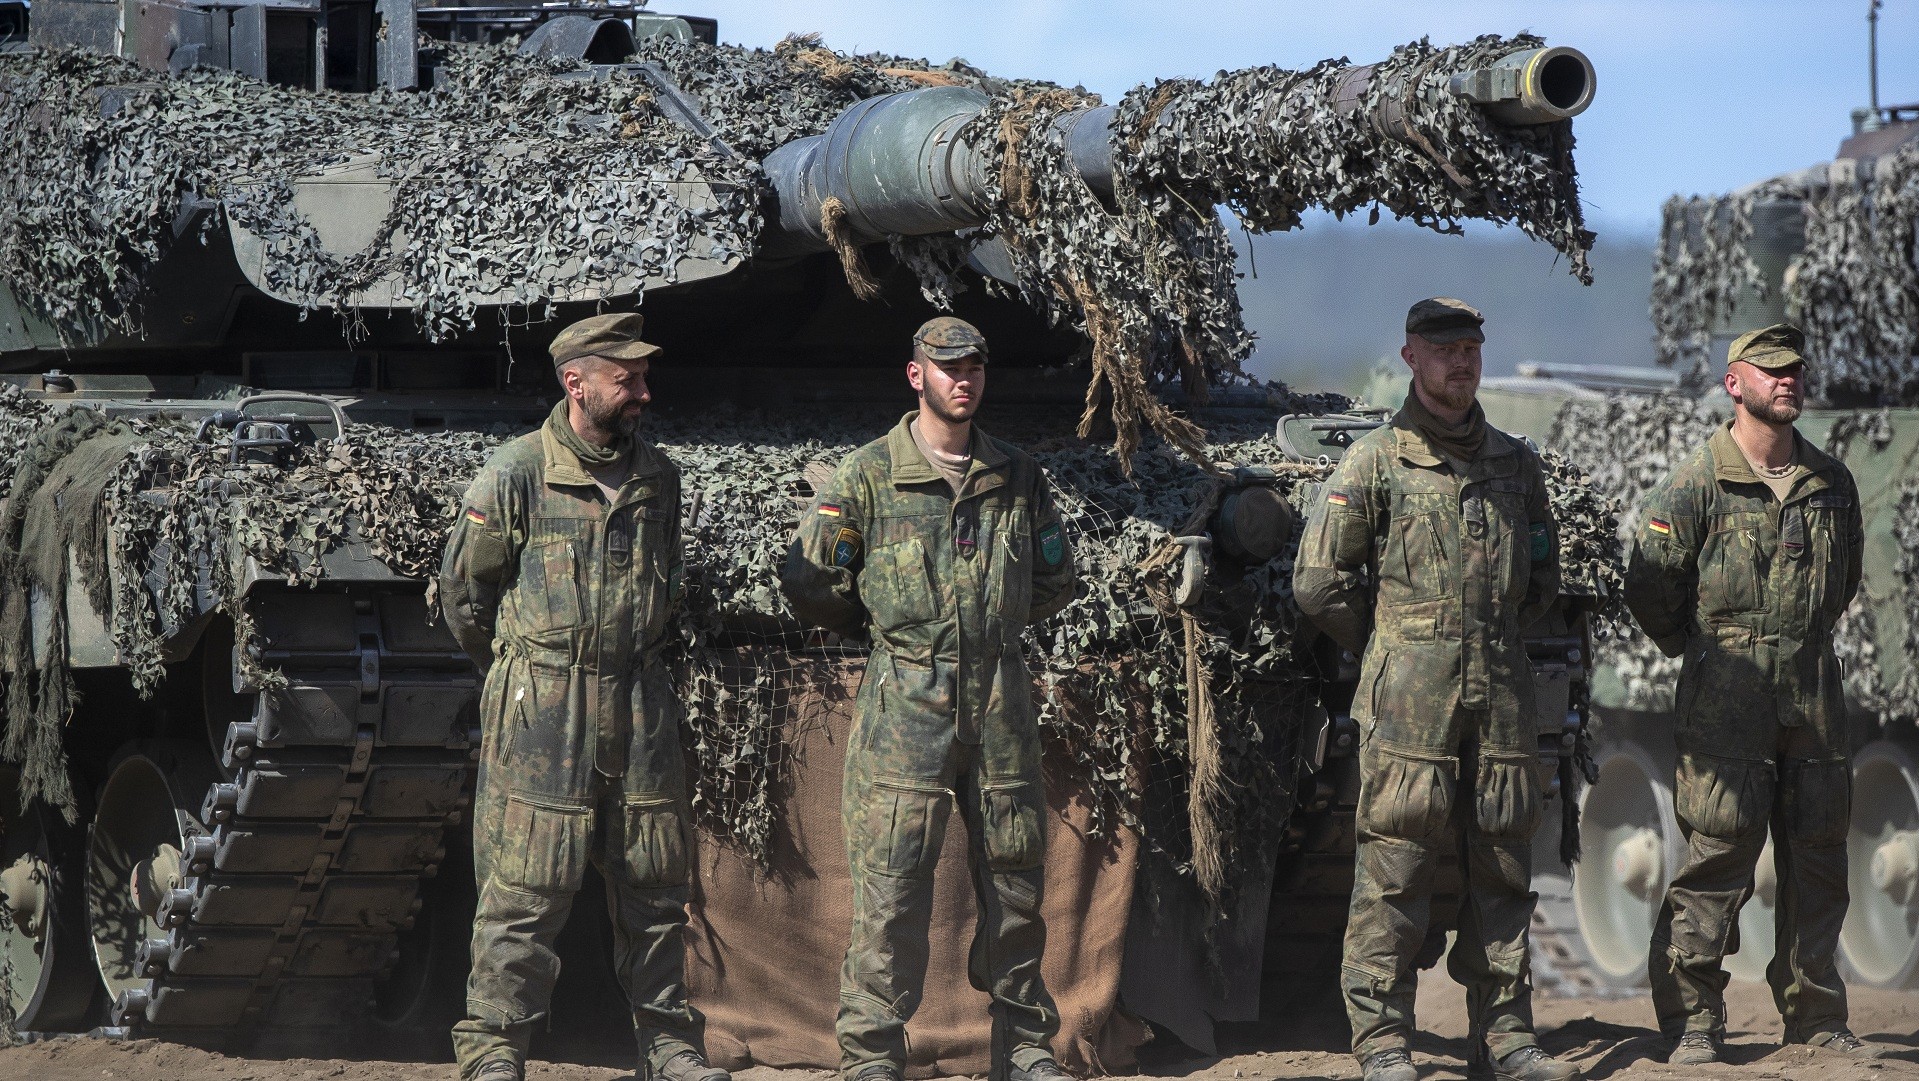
x=1658, y=525
x=1052, y=544
x=829, y=510
x=1542, y=540
x=1338, y=498
x=847, y=545
x=474, y=516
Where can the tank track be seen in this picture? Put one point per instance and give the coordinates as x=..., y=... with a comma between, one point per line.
x=333, y=804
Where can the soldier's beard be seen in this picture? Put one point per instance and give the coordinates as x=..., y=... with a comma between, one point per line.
x=1447, y=393
x=607, y=418
x=1770, y=410
x=947, y=413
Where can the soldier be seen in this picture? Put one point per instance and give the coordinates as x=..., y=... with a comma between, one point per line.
x=941, y=543
x=1742, y=562
x=1431, y=548
x=559, y=578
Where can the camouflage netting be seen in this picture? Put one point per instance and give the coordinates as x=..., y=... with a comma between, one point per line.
x=1185, y=729
x=1854, y=288
x=489, y=199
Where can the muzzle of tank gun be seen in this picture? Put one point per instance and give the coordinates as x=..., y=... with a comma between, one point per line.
x=898, y=165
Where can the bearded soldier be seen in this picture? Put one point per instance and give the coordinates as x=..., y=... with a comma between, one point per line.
x=1742, y=562
x=1430, y=549
x=559, y=579
x=941, y=544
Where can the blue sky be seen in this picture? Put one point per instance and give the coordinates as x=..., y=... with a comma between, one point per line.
x=1692, y=97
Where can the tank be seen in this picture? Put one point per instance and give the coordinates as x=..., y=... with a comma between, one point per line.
x=275, y=278
x=1828, y=248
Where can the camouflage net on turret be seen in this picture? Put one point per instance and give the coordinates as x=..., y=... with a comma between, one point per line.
x=109, y=162
x=1853, y=288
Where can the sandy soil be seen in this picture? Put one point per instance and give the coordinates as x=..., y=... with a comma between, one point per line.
x=1611, y=1038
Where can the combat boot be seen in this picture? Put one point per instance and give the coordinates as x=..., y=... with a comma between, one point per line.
x=1694, y=1049
x=1043, y=1070
x=1843, y=1041
x=1392, y=1064
x=688, y=1065
x=499, y=1070
x=1532, y=1063
x=878, y=1071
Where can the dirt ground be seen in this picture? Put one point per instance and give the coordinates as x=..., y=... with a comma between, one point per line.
x=1609, y=1037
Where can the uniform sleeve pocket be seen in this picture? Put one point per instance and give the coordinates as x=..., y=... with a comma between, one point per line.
x=1506, y=795
x=1404, y=796
x=1014, y=838
x=545, y=849
x=905, y=824
x=656, y=848
x=1725, y=799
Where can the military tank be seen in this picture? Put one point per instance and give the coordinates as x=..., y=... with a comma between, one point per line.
x=275, y=277
x=1829, y=248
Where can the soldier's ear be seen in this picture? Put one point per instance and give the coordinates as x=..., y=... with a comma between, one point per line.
x=916, y=375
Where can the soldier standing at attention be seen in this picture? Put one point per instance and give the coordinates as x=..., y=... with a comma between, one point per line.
x=559, y=578
x=1743, y=560
x=941, y=543
x=1431, y=549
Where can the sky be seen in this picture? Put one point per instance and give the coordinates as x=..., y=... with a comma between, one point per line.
x=1692, y=97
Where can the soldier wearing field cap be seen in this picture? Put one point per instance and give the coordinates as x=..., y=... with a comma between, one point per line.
x=940, y=544
x=1742, y=562
x=559, y=578
x=1429, y=551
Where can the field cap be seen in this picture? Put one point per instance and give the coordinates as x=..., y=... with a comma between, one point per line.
x=615, y=337
x=1772, y=348
x=1444, y=319
x=945, y=337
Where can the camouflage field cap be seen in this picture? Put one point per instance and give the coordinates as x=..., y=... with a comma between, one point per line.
x=947, y=338
x=615, y=337
x=1778, y=346
x=1444, y=319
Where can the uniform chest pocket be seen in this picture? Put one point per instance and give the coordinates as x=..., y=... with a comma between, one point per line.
x=1732, y=565
x=647, y=565
x=550, y=574
x=1415, y=563
x=1827, y=516
x=896, y=587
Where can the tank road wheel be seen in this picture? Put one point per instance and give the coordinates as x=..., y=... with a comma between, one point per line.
x=139, y=865
x=44, y=973
x=1630, y=837
x=1756, y=922
x=1880, y=940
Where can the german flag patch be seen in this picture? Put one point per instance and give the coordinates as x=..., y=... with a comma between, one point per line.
x=829, y=510
x=1338, y=499
x=475, y=517
x=1659, y=526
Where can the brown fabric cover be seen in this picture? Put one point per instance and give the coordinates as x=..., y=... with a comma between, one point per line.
x=764, y=945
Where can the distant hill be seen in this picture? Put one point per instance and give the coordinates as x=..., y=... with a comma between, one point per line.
x=1330, y=300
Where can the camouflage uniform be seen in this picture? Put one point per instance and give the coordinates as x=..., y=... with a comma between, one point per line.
x=944, y=586
x=1748, y=589
x=1430, y=575
x=563, y=598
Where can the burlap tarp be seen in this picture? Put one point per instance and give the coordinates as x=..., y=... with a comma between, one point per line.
x=764, y=944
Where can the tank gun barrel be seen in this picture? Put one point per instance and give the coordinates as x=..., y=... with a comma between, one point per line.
x=899, y=164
